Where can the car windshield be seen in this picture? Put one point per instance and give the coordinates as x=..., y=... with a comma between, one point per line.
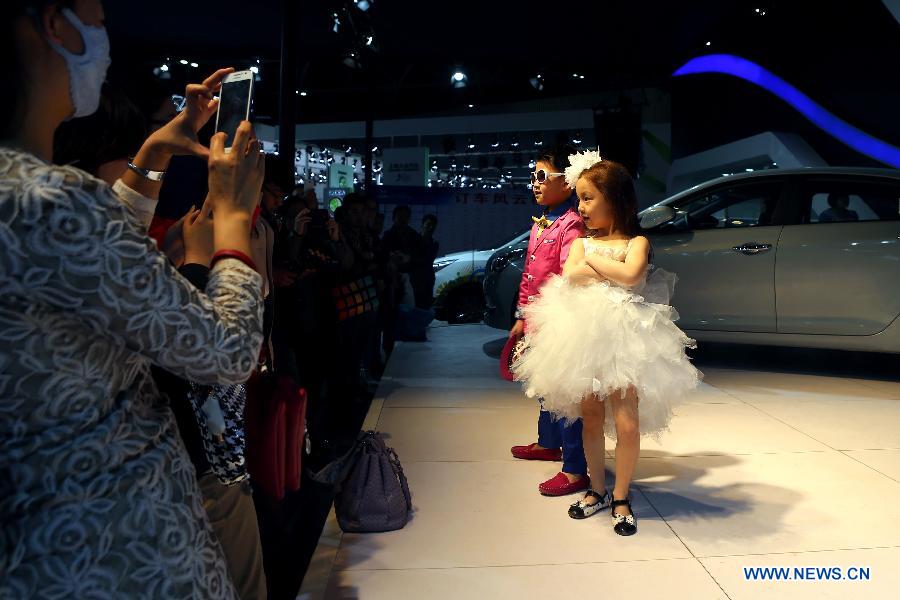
x=503, y=242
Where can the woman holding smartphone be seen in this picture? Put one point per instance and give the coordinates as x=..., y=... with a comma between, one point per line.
x=97, y=494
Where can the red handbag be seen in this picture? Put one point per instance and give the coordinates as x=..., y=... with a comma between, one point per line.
x=274, y=417
x=295, y=427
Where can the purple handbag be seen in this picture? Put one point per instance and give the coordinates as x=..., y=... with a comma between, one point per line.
x=375, y=495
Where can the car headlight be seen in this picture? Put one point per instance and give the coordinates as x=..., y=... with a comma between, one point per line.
x=440, y=264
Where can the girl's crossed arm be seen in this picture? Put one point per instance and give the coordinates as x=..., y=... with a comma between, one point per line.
x=575, y=269
x=629, y=272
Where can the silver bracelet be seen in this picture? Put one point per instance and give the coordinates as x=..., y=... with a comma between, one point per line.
x=147, y=173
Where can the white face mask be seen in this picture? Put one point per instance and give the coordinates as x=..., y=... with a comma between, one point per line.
x=87, y=71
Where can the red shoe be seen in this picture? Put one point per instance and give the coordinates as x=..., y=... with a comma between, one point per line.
x=533, y=452
x=560, y=485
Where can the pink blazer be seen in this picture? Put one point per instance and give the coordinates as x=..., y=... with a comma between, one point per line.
x=547, y=254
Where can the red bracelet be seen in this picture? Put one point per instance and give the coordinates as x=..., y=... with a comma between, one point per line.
x=235, y=254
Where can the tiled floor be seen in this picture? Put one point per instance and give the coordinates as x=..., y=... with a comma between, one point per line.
x=760, y=469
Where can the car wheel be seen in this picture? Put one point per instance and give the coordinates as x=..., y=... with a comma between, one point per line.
x=465, y=306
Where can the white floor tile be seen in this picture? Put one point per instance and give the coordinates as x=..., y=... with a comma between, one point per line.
x=880, y=582
x=490, y=514
x=633, y=580
x=766, y=503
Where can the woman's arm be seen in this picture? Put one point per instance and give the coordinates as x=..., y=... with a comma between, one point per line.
x=111, y=275
x=629, y=272
x=178, y=136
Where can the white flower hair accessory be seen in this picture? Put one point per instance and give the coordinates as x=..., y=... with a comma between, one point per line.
x=579, y=163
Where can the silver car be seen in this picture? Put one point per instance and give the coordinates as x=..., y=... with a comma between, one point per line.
x=806, y=258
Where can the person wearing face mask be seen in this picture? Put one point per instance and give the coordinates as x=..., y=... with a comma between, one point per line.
x=551, y=237
x=97, y=494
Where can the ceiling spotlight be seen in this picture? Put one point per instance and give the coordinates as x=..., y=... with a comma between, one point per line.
x=515, y=142
x=362, y=5
x=195, y=65
x=254, y=69
x=576, y=139
x=471, y=106
x=709, y=43
x=374, y=148
x=182, y=61
x=471, y=144
x=537, y=82
x=496, y=142
x=351, y=59
x=458, y=79
x=164, y=68
x=303, y=94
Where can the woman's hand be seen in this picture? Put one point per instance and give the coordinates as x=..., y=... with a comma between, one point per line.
x=235, y=187
x=334, y=230
x=235, y=177
x=197, y=234
x=301, y=222
x=179, y=136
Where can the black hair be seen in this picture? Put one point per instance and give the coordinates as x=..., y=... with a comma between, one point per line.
x=400, y=208
x=278, y=172
x=12, y=61
x=557, y=156
x=354, y=199
x=148, y=93
x=114, y=132
x=430, y=217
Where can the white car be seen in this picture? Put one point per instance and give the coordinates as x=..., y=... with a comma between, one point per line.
x=458, y=284
x=808, y=258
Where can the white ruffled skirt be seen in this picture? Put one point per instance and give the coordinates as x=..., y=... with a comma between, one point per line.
x=601, y=338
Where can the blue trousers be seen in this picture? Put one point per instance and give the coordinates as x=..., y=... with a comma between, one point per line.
x=555, y=434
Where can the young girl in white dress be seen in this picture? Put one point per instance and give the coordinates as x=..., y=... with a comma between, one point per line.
x=602, y=344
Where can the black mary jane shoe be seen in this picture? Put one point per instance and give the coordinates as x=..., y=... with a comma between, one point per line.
x=623, y=524
x=583, y=510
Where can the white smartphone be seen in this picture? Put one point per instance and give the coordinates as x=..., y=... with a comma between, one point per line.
x=235, y=99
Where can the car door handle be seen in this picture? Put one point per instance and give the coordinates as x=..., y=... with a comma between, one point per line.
x=749, y=249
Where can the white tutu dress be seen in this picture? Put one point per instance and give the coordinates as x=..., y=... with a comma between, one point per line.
x=602, y=337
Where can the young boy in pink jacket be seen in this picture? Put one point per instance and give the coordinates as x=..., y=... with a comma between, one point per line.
x=548, y=247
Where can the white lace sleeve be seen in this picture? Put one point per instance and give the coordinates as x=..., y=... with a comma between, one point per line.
x=143, y=207
x=75, y=246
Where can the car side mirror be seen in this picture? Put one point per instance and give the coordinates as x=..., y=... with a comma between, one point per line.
x=656, y=216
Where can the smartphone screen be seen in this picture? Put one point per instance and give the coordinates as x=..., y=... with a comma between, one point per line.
x=234, y=107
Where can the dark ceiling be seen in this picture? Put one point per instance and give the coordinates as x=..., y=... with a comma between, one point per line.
x=500, y=45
